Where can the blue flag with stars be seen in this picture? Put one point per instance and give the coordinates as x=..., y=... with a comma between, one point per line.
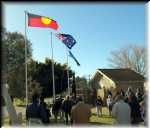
x=71, y=55
x=67, y=39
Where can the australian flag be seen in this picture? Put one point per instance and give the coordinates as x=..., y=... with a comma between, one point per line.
x=67, y=39
x=71, y=55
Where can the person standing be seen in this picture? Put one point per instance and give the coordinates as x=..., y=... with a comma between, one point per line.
x=109, y=104
x=99, y=103
x=144, y=108
x=139, y=95
x=66, y=107
x=56, y=108
x=128, y=92
x=121, y=111
x=80, y=112
x=34, y=113
x=122, y=92
x=109, y=93
x=46, y=110
x=135, y=109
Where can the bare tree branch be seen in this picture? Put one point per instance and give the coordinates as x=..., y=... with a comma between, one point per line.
x=131, y=56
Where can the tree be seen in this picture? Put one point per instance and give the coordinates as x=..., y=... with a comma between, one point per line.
x=42, y=74
x=131, y=56
x=74, y=87
x=13, y=61
x=81, y=83
x=34, y=88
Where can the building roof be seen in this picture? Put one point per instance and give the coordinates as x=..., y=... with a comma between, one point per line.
x=122, y=74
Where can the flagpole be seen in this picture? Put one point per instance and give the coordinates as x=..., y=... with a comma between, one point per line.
x=67, y=71
x=26, y=83
x=53, y=70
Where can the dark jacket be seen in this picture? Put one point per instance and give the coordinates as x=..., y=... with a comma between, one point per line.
x=135, y=111
x=67, y=106
x=47, y=113
x=35, y=110
x=99, y=102
x=56, y=106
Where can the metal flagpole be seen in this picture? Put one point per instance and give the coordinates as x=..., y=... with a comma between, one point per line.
x=67, y=71
x=53, y=69
x=26, y=83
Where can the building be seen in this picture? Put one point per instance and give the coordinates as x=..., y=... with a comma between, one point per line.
x=114, y=80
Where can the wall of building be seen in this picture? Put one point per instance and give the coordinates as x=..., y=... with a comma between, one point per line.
x=95, y=82
x=100, y=81
x=107, y=83
x=102, y=84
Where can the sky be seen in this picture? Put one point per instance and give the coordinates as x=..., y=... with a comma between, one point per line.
x=99, y=28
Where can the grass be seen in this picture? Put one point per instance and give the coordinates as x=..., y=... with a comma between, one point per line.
x=104, y=119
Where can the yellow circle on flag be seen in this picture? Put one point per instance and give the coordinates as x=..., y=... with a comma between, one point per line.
x=46, y=20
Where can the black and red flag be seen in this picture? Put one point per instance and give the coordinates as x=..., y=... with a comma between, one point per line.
x=41, y=21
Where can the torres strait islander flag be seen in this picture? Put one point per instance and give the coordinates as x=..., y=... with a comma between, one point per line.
x=41, y=21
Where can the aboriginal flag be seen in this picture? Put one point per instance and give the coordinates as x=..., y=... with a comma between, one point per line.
x=41, y=21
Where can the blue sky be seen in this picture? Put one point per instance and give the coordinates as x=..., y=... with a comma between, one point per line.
x=98, y=28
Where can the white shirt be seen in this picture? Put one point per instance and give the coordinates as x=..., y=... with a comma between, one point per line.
x=109, y=101
x=121, y=111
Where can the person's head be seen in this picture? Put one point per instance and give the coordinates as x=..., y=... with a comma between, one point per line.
x=119, y=97
x=131, y=96
x=35, y=97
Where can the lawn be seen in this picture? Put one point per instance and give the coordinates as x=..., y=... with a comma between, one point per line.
x=104, y=119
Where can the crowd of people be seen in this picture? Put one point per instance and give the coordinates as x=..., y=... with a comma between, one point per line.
x=70, y=110
x=128, y=108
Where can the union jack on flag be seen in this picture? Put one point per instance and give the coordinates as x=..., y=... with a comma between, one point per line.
x=67, y=39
